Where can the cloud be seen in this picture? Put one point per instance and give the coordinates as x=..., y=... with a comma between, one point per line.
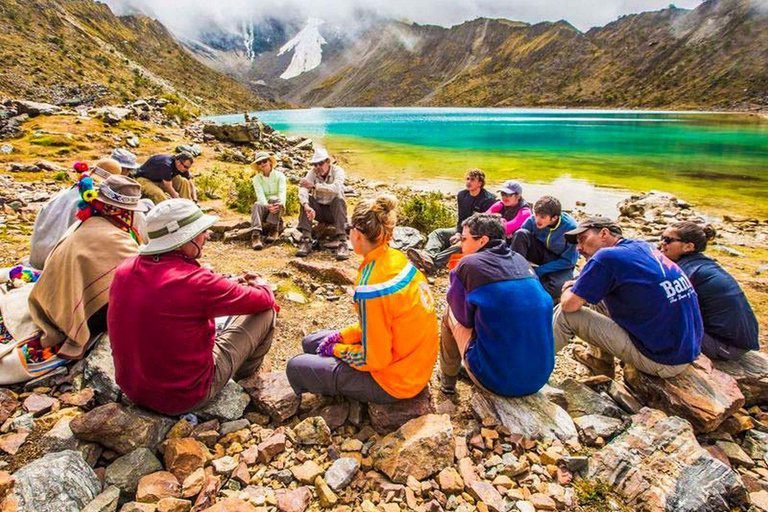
x=189, y=17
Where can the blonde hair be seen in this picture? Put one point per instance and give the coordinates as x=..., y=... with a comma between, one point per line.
x=376, y=218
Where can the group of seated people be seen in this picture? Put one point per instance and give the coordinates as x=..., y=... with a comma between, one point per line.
x=512, y=301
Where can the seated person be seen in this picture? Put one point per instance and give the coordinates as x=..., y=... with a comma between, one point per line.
x=126, y=159
x=168, y=356
x=514, y=210
x=164, y=176
x=541, y=240
x=321, y=195
x=270, y=188
x=730, y=326
x=444, y=243
x=69, y=301
x=389, y=354
x=60, y=212
x=499, y=318
x=650, y=314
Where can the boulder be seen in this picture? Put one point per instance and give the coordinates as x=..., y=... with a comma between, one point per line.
x=584, y=401
x=389, y=417
x=622, y=396
x=236, y=133
x=57, y=482
x=756, y=445
x=121, y=429
x=593, y=426
x=325, y=272
x=99, y=372
x=420, y=448
x=104, y=502
x=658, y=466
x=228, y=405
x=272, y=393
x=341, y=473
x=532, y=416
x=156, y=486
x=751, y=374
x=701, y=394
x=183, y=456
x=313, y=431
x=126, y=471
x=34, y=109
x=113, y=115
x=405, y=238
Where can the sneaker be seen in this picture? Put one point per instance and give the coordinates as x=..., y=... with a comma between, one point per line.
x=448, y=384
x=342, y=253
x=305, y=247
x=421, y=260
x=595, y=365
x=256, y=244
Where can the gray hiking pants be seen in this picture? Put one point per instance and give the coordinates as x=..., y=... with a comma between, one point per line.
x=439, y=246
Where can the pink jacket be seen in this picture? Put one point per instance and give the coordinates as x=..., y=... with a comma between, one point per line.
x=512, y=217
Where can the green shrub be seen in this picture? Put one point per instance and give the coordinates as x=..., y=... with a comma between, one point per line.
x=211, y=186
x=61, y=176
x=292, y=200
x=179, y=112
x=244, y=196
x=425, y=212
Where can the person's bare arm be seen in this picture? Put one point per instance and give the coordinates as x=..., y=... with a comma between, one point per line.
x=570, y=302
x=168, y=187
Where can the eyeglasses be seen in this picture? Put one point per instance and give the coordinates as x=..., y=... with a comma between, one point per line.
x=473, y=237
x=318, y=164
x=186, y=167
x=668, y=240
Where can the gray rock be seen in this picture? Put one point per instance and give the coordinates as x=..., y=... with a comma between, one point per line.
x=751, y=374
x=622, y=396
x=272, y=394
x=313, y=431
x=113, y=115
x=125, y=472
x=6, y=149
x=104, y=502
x=555, y=395
x=192, y=149
x=233, y=426
x=121, y=429
x=23, y=422
x=59, y=438
x=388, y=417
x=597, y=425
x=532, y=416
x=34, y=109
x=99, y=372
x=657, y=464
x=583, y=401
x=58, y=482
x=237, y=133
x=228, y=405
x=405, y=238
x=756, y=445
x=341, y=473
x=54, y=378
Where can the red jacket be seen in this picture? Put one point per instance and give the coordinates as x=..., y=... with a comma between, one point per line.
x=161, y=327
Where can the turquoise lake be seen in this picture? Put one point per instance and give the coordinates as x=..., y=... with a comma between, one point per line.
x=716, y=161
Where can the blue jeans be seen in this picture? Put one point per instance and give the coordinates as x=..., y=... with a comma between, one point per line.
x=311, y=373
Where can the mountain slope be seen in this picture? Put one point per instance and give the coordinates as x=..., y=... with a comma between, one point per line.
x=75, y=50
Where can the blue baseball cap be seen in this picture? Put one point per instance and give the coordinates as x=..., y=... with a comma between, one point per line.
x=511, y=187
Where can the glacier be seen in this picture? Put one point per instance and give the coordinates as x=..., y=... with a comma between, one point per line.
x=307, y=47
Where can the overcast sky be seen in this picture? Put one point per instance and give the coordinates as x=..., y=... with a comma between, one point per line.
x=190, y=15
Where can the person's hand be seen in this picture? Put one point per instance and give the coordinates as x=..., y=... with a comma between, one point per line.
x=568, y=284
x=325, y=348
x=274, y=208
x=252, y=279
x=455, y=239
x=306, y=184
x=310, y=212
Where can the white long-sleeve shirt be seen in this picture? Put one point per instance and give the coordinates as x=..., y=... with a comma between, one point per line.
x=326, y=189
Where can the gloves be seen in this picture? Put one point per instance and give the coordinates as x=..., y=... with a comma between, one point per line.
x=325, y=348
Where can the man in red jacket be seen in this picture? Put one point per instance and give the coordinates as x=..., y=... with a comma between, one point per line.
x=168, y=356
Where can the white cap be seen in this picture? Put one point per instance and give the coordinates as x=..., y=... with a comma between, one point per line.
x=321, y=155
x=173, y=223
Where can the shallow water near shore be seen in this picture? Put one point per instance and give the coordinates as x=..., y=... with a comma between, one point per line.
x=719, y=162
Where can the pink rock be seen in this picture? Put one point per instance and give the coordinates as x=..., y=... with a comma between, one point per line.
x=294, y=501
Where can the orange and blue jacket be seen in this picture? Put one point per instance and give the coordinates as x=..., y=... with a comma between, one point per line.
x=396, y=337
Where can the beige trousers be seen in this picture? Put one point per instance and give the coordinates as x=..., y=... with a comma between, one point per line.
x=151, y=190
x=454, y=341
x=594, y=326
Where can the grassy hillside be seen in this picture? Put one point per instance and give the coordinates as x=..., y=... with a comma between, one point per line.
x=59, y=50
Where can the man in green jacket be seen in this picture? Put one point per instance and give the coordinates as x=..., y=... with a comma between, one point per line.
x=270, y=188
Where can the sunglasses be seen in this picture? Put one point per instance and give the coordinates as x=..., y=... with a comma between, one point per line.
x=473, y=237
x=668, y=240
x=185, y=167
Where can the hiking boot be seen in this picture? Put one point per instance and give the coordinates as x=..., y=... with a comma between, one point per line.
x=305, y=247
x=342, y=253
x=596, y=365
x=421, y=260
x=448, y=384
x=256, y=244
x=272, y=236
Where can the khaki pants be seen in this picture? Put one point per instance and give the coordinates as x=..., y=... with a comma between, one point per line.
x=594, y=326
x=151, y=190
x=261, y=215
x=454, y=341
x=240, y=349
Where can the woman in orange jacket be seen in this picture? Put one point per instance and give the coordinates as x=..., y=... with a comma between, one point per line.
x=389, y=354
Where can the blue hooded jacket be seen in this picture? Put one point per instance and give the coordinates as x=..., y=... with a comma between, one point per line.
x=554, y=240
x=496, y=293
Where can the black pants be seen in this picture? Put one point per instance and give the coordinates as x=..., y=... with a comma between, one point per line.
x=334, y=214
x=715, y=349
x=534, y=250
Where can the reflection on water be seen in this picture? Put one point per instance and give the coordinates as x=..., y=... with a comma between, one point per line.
x=563, y=152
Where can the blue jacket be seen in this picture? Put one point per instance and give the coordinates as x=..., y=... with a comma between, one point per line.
x=496, y=293
x=554, y=240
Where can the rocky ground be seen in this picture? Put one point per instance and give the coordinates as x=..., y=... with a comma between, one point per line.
x=70, y=441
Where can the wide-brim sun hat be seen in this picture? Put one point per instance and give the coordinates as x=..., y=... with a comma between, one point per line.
x=104, y=168
x=121, y=192
x=173, y=223
x=320, y=155
x=263, y=155
x=125, y=158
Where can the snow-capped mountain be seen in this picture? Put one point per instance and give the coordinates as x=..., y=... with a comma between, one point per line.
x=307, y=48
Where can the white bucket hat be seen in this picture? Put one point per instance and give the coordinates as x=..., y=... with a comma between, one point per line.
x=321, y=155
x=173, y=223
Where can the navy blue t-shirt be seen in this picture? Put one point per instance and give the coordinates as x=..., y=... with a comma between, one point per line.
x=159, y=168
x=649, y=296
x=727, y=315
